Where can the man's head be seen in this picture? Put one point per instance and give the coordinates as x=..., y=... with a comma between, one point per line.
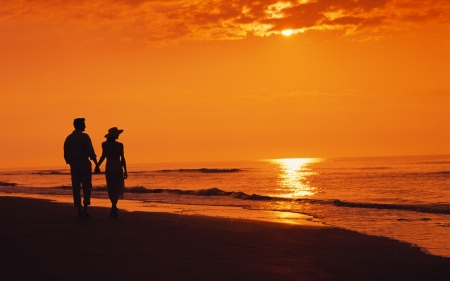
x=78, y=124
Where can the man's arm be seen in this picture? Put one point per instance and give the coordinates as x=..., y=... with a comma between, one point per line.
x=90, y=150
x=67, y=151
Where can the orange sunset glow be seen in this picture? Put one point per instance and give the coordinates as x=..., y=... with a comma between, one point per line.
x=192, y=80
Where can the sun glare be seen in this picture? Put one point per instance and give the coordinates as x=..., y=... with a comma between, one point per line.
x=293, y=179
x=286, y=32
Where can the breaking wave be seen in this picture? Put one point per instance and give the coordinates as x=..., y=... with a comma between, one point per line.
x=4, y=183
x=202, y=170
x=437, y=208
x=422, y=208
x=52, y=173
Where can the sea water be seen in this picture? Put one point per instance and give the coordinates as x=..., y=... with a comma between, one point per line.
x=404, y=198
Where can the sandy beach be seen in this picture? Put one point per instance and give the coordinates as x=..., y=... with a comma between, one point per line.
x=44, y=240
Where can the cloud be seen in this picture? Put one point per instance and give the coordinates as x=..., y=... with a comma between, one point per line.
x=171, y=20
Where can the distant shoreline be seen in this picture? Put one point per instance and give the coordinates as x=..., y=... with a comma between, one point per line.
x=66, y=167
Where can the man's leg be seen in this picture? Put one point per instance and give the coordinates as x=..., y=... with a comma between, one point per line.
x=76, y=182
x=87, y=185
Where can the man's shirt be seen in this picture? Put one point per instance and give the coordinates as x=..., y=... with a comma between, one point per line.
x=78, y=146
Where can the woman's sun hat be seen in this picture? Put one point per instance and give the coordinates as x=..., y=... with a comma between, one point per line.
x=113, y=132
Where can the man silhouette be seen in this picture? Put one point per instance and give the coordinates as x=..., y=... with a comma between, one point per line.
x=77, y=151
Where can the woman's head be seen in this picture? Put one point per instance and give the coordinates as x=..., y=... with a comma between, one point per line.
x=113, y=133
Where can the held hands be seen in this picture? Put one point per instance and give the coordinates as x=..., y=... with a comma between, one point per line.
x=97, y=171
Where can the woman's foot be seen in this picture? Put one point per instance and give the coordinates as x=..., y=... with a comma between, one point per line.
x=114, y=212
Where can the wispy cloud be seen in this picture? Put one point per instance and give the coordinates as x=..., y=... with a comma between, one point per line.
x=158, y=20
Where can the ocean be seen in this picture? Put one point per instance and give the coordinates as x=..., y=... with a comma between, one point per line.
x=404, y=198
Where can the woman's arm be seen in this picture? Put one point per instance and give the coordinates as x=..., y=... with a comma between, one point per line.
x=124, y=163
x=102, y=158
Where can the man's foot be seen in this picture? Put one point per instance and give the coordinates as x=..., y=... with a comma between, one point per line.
x=85, y=213
x=80, y=213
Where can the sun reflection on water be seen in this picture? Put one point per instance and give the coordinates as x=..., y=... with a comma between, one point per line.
x=293, y=178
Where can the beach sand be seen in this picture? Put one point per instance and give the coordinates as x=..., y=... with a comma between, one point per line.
x=44, y=240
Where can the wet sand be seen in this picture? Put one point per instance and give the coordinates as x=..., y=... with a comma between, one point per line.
x=45, y=240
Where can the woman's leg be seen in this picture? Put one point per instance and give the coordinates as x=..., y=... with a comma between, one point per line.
x=113, y=198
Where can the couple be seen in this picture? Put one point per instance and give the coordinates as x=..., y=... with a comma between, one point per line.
x=78, y=150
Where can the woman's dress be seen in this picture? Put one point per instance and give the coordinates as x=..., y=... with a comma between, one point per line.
x=115, y=182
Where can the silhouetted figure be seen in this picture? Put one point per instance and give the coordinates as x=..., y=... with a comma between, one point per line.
x=116, y=167
x=77, y=151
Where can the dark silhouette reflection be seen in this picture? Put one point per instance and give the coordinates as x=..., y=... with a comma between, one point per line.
x=116, y=167
x=78, y=150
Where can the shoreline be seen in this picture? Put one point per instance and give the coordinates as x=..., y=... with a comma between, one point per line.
x=228, y=212
x=42, y=239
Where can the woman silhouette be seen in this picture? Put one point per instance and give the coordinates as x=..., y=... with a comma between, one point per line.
x=116, y=168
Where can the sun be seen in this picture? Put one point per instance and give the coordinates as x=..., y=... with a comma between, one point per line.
x=286, y=32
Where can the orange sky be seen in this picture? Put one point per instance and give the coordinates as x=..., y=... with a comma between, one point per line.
x=216, y=80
